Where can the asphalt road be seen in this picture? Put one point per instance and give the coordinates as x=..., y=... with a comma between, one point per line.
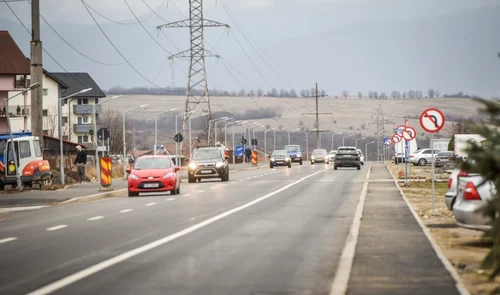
x=266, y=231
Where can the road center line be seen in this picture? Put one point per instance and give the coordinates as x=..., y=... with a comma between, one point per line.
x=186, y=195
x=171, y=199
x=343, y=274
x=150, y=204
x=129, y=254
x=7, y=240
x=126, y=210
x=57, y=227
x=201, y=192
x=95, y=218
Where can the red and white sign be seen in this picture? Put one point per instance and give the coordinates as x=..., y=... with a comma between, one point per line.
x=388, y=142
x=396, y=138
x=409, y=133
x=432, y=120
x=400, y=130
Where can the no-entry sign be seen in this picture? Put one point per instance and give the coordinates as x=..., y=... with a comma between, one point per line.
x=432, y=120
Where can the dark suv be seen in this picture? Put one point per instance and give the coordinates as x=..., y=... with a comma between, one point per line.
x=208, y=163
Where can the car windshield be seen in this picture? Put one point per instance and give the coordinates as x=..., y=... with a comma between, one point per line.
x=207, y=155
x=152, y=163
x=319, y=152
x=293, y=149
x=333, y=152
x=280, y=154
x=346, y=151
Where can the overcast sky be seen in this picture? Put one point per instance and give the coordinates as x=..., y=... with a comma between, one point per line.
x=302, y=41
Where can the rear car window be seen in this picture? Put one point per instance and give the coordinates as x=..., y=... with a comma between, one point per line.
x=346, y=151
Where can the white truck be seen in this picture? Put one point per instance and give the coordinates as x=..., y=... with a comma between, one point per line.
x=461, y=141
x=441, y=144
x=399, y=150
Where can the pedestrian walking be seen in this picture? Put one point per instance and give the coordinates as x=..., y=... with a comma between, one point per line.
x=80, y=162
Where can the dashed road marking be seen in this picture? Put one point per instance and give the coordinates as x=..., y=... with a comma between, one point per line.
x=150, y=204
x=171, y=199
x=241, y=179
x=249, y=177
x=126, y=210
x=7, y=240
x=201, y=191
x=57, y=227
x=95, y=218
x=186, y=195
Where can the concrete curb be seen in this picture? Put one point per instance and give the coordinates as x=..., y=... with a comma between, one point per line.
x=447, y=264
x=105, y=195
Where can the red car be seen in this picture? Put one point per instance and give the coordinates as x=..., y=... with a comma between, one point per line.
x=153, y=174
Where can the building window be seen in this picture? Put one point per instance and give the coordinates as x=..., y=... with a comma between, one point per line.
x=64, y=121
x=83, y=139
x=20, y=81
x=83, y=120
x=45, y=113
x=45, y=91
x=83, y=101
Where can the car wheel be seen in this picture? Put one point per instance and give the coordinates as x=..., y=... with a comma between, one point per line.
x=422, y=162
x=179, y=190
x=300, y=162
x=271, y=166
x=173, y=192
x=312, y=163
x=359, y=167
x=334, y=167
x=227, y=176
x=132, y=194
x=289, y=165
x=328, y=163
x=198, y=179
x=191, y=179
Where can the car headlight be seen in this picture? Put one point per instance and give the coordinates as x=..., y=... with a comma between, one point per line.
x=326, y=158
x=168, y=175
x=287, y=159
x=272, y=159
x=312, y=157
x=133, y=176
x=219, y=164
x=192, y=166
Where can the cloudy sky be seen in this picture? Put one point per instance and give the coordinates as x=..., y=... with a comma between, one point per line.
x=356, y=45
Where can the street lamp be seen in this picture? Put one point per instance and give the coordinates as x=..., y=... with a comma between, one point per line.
x=215, y=127
x=343, y=139
x=177, y=162
x=359, y=139
x=256, y=127
x=265, y=142
x=225, y=131
x=366, y=148
x=210, y=126
x=6, y=100
x=124, y=143
x=234, y=146
x=333, y=135
x=94, y=120
x=156, y=126
x=190, y=144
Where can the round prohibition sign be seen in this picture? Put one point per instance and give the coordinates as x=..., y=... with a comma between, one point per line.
x=388, y=142
x=409, y=133
x=432, y=120
x=400, y=130
x=396, y=138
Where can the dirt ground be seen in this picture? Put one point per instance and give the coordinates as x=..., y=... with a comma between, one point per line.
x=463, y=247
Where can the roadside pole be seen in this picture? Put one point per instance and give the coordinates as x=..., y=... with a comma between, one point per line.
x=407, y=159
x=432, y=173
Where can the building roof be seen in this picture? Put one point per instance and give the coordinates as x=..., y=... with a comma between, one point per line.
x=77, y=82
x=60, y=82
x=12, y=59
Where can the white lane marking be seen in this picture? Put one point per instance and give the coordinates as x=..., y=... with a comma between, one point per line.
x=95, y=218
x=241, y=179
x=255, y=176
x=171, y=199
x=27, y=208
x=7, y=240
x=249, y=177
x=186, y=195
x=201, y=191
x=66, y=281
x=150, y=204
x=57, y=227
x=213, y=187
x=126, y=210
x=261, y=175
x=341, y=280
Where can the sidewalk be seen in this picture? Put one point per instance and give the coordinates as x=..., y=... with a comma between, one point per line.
x=393, y=255
x=87, y=191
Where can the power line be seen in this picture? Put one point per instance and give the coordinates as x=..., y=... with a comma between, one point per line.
x=122, y=23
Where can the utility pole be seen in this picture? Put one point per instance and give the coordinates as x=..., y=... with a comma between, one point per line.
x=197, y=88
x=317, y=113
x=380, y=122
x=36, y=72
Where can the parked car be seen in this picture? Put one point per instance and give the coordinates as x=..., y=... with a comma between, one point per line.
x=319, y=156
x=153, y=174
x=208, y=162
x=444, y=159
x=473, y=194
x=422, y=157
x=331, y=155
x=361, y=157
x=451, y=194
x=280, y=158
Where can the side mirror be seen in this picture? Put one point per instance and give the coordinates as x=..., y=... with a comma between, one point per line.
x=177, y=168
x=128, y=170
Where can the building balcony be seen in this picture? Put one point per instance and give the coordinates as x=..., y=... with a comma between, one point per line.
x=82, y=128
x=14, y=111
x=86, y=109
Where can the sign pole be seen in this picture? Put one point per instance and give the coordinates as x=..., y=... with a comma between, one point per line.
x=407, y=158
x=433, y=164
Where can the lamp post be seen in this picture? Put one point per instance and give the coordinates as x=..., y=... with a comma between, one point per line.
x=210, y=126
x=124, y=142
x=343, y=139
x=156, y=126
x=225, y=131
x=357, y=141
x=253, y=131
x=366, y=149
x=333, y=135
x=61, y=146
x=177, y=144
x=190, y=144
x=215, y=127
x=94, y=120
x=234, y=145
x=6, y=100
x=265, y=142
x=307, y=145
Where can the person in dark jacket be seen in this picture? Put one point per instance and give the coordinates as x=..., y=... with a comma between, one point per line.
x=248, y=153
x=80, y=162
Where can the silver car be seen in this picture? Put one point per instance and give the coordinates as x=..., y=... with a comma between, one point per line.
x=473, y=194
x=444, y=159
x=319, y=156
x=422, y=157
x=331, y=155
x=451, y=194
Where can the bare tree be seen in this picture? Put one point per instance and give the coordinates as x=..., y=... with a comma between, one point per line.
x=411, y=94
x=260, y=92
x=375, y=94
x=292, y=93
x=345, y=94
x=419, y=94
x=242, y=92
x=431, y=92
x=383, y=95
x=51, y=122
x=252, y=93
x=303, y=93
x=461, y=126
x=360, y=95
x=112, y=120
x=370, y=94
x=437, y=93
x=234, y=93
x=323, y=93
x=404, y=95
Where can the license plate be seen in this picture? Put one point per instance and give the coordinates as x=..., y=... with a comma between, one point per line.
x=151, y=185
x=206, y=171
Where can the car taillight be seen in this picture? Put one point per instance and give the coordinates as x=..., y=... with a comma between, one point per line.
x=450, y=181
x=462, y=173
x=438, y=160
x=412, y=156
x=471, y=193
